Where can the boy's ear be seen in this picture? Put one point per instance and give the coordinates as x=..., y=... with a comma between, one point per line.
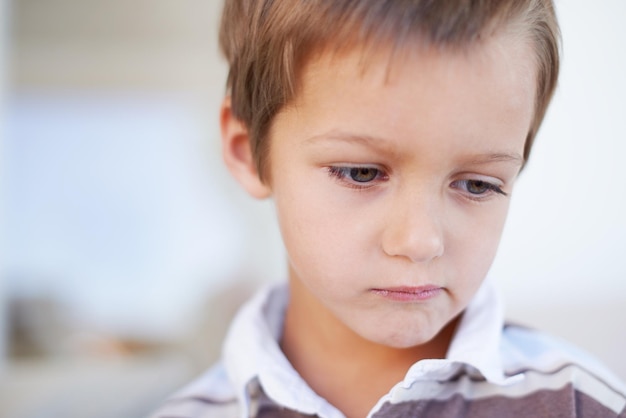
x=237, y=153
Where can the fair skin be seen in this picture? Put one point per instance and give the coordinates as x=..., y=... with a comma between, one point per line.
x=391, y=182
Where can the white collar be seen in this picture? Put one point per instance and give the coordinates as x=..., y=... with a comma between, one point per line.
x=252, y=355
x=476, y=341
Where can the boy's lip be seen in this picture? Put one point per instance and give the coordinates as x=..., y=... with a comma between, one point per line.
x=408, y=293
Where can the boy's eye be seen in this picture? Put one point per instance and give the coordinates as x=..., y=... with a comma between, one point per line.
x=478, y=187
x=357, y=176
x=363, y=174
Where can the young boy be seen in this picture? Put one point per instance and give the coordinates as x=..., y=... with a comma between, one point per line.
x=389, y=135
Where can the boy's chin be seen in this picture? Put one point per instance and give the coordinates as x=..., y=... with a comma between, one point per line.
x=401, y=339
x=432, y=338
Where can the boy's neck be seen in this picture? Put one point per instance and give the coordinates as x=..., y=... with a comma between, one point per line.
x=350, y=372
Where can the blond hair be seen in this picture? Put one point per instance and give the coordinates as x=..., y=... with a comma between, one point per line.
x=267, y=43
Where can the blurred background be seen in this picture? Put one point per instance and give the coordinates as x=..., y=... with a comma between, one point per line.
x=125, y=248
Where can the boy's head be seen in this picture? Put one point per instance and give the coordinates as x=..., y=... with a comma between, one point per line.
x=269, y=43
x=389, y=134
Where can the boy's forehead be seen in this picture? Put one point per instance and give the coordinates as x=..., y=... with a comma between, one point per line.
x=386, y=62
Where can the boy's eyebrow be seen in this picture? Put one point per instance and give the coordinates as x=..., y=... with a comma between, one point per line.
x=384, y=146
x=498, y=157
x=361, y=139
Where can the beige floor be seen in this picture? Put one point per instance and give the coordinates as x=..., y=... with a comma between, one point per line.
x=90, y=387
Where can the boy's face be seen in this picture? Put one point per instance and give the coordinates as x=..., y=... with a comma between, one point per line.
x=392, y=182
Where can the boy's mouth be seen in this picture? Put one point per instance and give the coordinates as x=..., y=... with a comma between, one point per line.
x=408, y=293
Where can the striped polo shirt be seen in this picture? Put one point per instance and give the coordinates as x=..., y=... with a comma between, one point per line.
x=491, y=370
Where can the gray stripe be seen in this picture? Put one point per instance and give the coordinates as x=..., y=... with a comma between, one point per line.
x=201, y=400
x=529, y=383
x=267, y=408
x=561, y=368
x=563, y=403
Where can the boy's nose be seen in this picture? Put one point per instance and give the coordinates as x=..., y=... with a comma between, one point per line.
x=414, y=231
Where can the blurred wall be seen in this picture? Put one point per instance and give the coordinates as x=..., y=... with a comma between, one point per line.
x=4, y=20
x=116, y=189
x=128, y=244
x=147, y=45
x=561, y=261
